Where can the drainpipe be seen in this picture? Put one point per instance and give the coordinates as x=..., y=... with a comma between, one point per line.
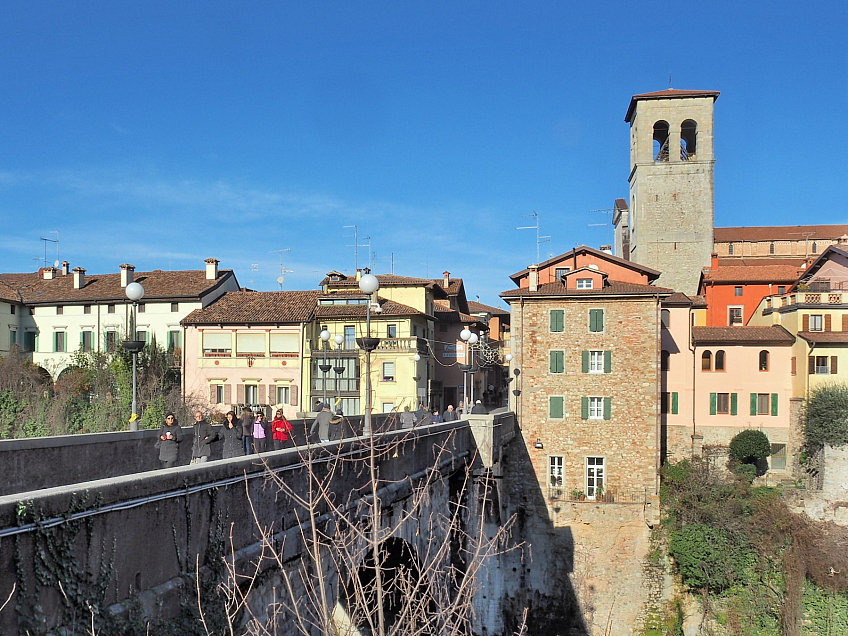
x=693, y=349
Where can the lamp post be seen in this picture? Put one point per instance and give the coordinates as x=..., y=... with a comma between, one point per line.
x=325, y=336
x=369, y=285
x=134, y=292
x=339, y=368
x=416, y=358
x=470, y=339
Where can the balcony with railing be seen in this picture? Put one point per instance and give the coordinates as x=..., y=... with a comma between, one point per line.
x=605, y=496
x=400, y=345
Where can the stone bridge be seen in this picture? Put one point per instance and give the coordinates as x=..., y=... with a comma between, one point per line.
x=92, y=534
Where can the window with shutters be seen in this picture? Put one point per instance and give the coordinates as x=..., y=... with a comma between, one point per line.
x=283, y=394
x=778, y=456
x=722, y=403
x=285, y=345
x=556, y=407
x=557, y=360
x=596, y=362
x=216, y=392
x=594, y=477
x=250, y=345
x=596, y=408
x=764, y=360
x=86, y=340
x=251, y=394
x=175, y=341
x=819, y=365
x=59, y=342
x=707, y=361
x=720, y=361
x=763, y=403
x=388, y=372
x=557, y=321
x=816, y=323
x=668, y=402
x=596, y=320
x=217, y=344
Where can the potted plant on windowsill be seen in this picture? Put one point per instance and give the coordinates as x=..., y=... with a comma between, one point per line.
x=578, y=495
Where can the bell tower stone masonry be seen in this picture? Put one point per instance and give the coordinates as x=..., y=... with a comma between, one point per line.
x=668, y=222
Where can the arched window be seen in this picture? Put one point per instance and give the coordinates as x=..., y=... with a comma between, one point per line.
x=771, y=248
x=661, y=141
x=688, y=139
x=707, y=361
x=730, y=249
x=665, y=358
x=665, y=318
x=764, y=360
x=815, y=248
x=719, y=360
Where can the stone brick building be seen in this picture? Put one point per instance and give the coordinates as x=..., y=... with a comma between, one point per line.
x=667, y=224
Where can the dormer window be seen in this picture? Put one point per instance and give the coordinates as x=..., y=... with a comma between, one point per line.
x=335, y=278
x=584, y=283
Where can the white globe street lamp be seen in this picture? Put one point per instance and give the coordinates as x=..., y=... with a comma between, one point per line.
x=134, y=292
x=369, y=285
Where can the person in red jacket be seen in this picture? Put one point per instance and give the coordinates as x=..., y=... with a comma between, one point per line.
x=281, y=429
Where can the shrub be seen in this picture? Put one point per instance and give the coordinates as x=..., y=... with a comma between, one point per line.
x=827, y=416
x=707, y=558
x=749, y=447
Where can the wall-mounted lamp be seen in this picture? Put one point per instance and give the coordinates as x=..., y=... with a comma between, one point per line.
x=538, y=444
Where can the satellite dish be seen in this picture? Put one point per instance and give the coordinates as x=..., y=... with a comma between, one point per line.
x=55, y=263
x=280, y=280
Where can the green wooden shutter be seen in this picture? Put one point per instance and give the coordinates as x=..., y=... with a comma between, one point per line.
x=557, y=361
x=712, y=403
x=674, y=403
x=596, y=320
x=557, y=320
x=585, y=362
x=55, y=341
x=733, y=403
x=555, y=407
x=607, y=407
x=607, y=361
x=753, y=403
x=584, y=408
x=774, y=403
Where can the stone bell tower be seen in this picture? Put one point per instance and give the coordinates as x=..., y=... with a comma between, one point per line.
x=669, y=223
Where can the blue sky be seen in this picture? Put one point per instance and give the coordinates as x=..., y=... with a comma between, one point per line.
x=162, y=133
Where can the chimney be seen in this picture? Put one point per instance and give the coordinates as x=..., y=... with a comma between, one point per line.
x=127, y=274
x=446, y=282
x=49, y=273
x=714, y=260
x=66, y=268
x=79, y=278
x=534, y=278
x=358, y=274
x=606, y=249
x=212, y=268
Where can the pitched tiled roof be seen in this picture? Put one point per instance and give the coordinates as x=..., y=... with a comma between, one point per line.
x=824, y=337
x=590, y=250
x=698, y=302
x=247, y=307
x=389, y=307
x=443, y=313
x=774, y=334
x=757, y=261
x=454, y=285
x=8, y=293
x=669, y=93
x=779, y=233
x=614, y=288
x=677, y=299
x=157, y=284
x=753, y=274
x=480, y=308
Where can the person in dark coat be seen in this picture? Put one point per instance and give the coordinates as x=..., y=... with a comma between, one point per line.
x=322, y=424
x=478, y=408
x=449, y=415
x=422, y=416
x=170, y=435
x=407, y=418
x=336, y=425
x=204, y=435
x=247, y=421
x=435, y=418
x=232, y=435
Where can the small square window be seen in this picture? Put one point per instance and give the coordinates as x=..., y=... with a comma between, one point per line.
x=781, y=289
x=584, y=283
x=86, y=309
x=175, y=306
x=60, y=310
x=141, y=308
x=110, y=309
x=734, y=316
x=737, y=291
x=391, y=331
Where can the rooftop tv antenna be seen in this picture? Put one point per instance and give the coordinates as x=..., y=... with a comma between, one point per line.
x=49, y=240
x=607, y=223
x=254, y=267
x=539, y=239
x=283, y=270
x=356, y=246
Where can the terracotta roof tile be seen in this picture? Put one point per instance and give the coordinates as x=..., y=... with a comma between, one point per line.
x=8, y=293
x=479, y=308
x=677, y=299
x=778, y=233
x=389, y=307
x=590, y=250
x=775, y=334
x=614, y=288
x=157, y=284
x=247, y=307
x=824, y=337
x=753, y=274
